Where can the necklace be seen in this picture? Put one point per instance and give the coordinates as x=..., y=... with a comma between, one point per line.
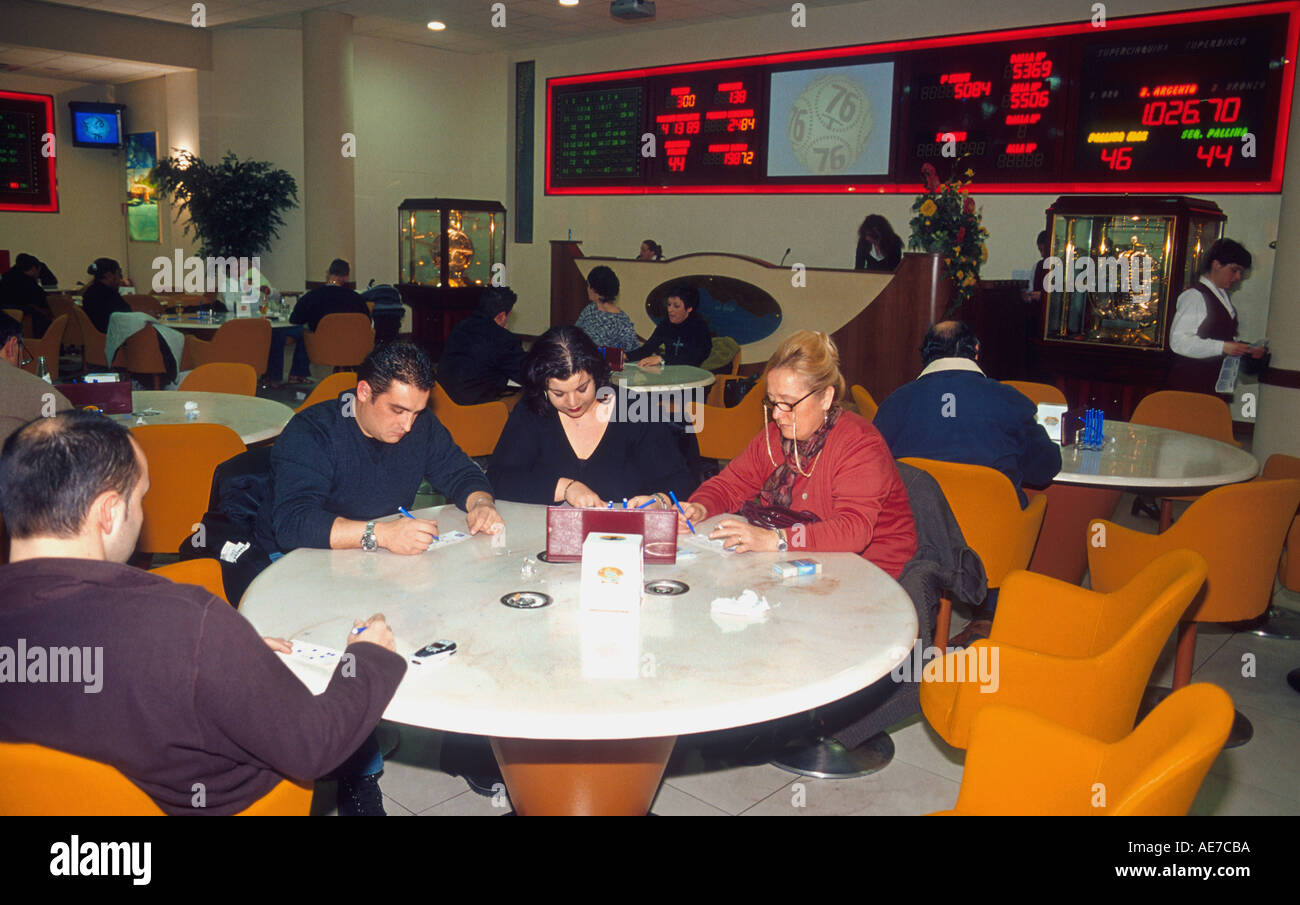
x=767, y=438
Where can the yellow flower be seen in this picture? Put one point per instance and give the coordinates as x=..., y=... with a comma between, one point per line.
x=984, y=253
x=928, y=208
x=927, y=222
x=970, y=280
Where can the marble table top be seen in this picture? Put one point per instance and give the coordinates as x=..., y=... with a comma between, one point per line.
x=534, y=673
x=253, y=418
x=663, y=378
x=1141, y=457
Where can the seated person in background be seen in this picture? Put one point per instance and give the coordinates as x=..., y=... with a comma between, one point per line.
x=332, y=298
x=1034, y=294
x=602, y=320
x=182, y=690
x=953, y=413
x=683, y=339
x=879, y=247
x=20, y=289
x=481, y=356
x=101, y=299
x=650, y=251
x=23, y=396
x=564, y=445
x=336, y=471
x=814, y=457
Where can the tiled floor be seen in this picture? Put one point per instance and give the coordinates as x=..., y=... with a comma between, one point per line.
x=710, y=776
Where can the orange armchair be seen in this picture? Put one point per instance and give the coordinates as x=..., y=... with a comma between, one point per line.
x=1288, y=571
x=93, y=342
x=340, y=340
x=725, y=432
x=245, y=339
x=475, y=428
x=48, y=345
x=1079, y=658
x=57, y=784
x=1239, y=529
x=234, y=377
x=1038, y=393
x=995, y=527
x=206, y=573
x=182, y=458
x=1022, y=764
x=329, y=388
x=867, y=406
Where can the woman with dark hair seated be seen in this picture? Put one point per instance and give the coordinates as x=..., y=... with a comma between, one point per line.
x=879, y=247
x=563, y=444
x=101, y=298
x=684, y=338
x=650, y=251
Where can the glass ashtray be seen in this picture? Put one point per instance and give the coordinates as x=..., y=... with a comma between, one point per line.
x=526, y=600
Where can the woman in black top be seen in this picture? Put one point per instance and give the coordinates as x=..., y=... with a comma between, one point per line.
x=562, y=444
x=684, y=338
x=101, y=297
x=879, y=247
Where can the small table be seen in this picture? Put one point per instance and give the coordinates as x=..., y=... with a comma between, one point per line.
x=253, y=418
x=1136, y=458
x=568, y=741
x=195, y=324
x=662, y=379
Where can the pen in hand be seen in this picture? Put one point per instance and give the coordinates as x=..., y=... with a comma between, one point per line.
x=672, y=496
x=402, y=509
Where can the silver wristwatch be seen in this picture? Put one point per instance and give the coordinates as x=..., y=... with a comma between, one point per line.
x=368, y=541
x=781, y=545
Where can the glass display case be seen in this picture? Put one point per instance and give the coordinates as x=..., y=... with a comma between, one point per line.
x=1117, y=265
x=449, y=242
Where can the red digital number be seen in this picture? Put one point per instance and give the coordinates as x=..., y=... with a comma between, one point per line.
x=1117, y=158
x=676, y=164
x=1211, y=153
x=693, y=127
x=685, y=100
x=737, y=97
x=1226, y=109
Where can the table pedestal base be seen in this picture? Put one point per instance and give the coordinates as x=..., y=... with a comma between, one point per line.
x=1062, y=550
x=582, y=777
x=828, y=759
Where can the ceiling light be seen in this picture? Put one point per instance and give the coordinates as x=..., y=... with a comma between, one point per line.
x=568, y=2
x=437, y=26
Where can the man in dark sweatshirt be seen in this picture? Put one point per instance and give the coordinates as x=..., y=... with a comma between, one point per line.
x=481, y=355
x=174, y=687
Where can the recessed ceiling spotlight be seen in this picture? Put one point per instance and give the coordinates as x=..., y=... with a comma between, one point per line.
x=437, y=26
x=568, y=2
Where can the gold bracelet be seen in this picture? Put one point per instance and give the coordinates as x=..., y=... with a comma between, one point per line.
x=564, y=497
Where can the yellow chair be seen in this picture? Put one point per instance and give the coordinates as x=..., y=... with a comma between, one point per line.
x=1079, y=658
x=44, y=782
x=92, y=341
x=206, y=573
x=725, y=432
x=24, y=319
x=988, y=512
x=329, y=388
x=1192, y=413
x=1288, y=571
x=234, y=377
x=1239, y=529
x=47, y=345
x=1021, y=764
x=866, y=405
x=181, y=460
x=245, y=339
x=340, y=340
x=474, y=428
x=1038, y=393
x=146, y=304
x=61, y=304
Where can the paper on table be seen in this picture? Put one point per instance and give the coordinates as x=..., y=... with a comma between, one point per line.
x=702, y=540
x=447, y=538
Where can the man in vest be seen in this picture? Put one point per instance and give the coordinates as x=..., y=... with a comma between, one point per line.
x=1205, y=325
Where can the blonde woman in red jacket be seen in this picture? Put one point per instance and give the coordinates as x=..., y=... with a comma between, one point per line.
x=813, y=457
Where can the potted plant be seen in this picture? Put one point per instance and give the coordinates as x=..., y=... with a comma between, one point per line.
x=948, y=224
x=234, y=206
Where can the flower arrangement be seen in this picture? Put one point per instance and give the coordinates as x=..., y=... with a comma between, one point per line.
x=946, y=223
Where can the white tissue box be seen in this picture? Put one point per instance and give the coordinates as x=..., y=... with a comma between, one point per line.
x=612, y=573
x=611, y=645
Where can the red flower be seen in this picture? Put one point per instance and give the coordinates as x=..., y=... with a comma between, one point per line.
x=969, y=206
x=961, y=234
x=930, y=176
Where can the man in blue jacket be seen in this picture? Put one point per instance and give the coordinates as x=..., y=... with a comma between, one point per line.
x=954, y=413
x=482, y=356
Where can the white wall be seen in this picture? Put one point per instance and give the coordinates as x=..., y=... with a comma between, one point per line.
x=820, y=230
x=92, y=187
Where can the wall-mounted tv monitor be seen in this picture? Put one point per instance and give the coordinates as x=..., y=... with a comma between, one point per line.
x=96, y=125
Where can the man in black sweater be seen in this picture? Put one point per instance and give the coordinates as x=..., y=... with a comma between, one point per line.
x=332, y=298
x=172, y=686
x=482, y=356
x=20, y=289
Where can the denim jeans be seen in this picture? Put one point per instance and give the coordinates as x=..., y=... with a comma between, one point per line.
x=301, y=366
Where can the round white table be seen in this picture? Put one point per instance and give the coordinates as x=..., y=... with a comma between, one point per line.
x=253, y=418
x=1135, y=458
x=568, y=735
x=196, y=324
x=662, y=379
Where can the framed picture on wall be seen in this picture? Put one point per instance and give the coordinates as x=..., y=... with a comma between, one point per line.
x=142, y=219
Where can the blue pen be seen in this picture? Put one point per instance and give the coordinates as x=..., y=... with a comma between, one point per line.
x=646, y=503
x=359, y=629
x=402, y=509
x=672, y=496
x=624, y=502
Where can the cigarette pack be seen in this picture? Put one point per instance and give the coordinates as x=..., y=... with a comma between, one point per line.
x=796, y=567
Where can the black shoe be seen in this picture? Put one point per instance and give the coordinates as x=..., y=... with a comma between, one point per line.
x=484, y=785
x=361, y=797
x=1144, y=506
